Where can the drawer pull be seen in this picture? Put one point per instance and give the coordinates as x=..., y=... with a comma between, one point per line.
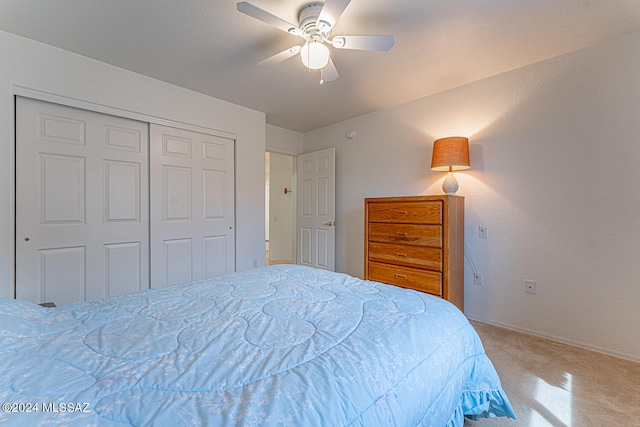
x=401, y=255
x=400, y=276
x=401, y=234
x=401, y=212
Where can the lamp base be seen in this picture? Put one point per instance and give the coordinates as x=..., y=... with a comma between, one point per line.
x=450, y=184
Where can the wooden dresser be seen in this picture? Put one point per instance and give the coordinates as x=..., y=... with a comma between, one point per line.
x=416, y=242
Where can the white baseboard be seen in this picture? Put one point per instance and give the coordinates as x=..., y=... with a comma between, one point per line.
x=561, y=340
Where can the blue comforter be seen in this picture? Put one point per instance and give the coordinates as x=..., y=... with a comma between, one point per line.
x=275, y=346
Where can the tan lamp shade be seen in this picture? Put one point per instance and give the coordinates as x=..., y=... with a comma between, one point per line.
x=450, y=154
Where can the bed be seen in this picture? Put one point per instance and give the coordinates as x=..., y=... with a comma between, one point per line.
x=275, y=346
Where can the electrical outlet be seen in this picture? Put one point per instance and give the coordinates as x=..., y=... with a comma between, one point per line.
x=483, y=232
x=478, y=279
x=530, y=286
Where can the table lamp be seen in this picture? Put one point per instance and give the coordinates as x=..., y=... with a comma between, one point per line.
x=450, y=154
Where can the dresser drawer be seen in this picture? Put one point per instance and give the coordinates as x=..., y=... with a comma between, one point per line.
x=410, y=256
x=424, y=212
x=407, y=234
x=422, y=280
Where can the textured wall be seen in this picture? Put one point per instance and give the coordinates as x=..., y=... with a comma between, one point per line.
x=554, y=176
x=283, y=141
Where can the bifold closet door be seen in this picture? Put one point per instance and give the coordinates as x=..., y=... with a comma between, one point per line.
x=82, y=218
x=192, y=206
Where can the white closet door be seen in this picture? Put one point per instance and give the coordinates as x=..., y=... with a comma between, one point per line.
x=192, y=206
x=82, y=219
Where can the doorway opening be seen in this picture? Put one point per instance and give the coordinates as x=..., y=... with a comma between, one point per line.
x=280, y=208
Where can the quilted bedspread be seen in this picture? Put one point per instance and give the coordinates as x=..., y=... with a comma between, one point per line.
x=275, y=346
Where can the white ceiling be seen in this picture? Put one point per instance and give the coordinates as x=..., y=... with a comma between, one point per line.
x=210, y=47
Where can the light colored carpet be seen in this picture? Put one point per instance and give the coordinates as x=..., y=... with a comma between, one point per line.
x=553, y=384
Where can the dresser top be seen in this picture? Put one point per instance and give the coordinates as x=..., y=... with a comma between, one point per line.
x=412, y=198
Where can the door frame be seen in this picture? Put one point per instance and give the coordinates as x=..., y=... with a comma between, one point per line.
x=294, y=182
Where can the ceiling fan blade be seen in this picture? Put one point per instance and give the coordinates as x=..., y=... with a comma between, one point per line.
x=267, y=17
x=381, y=43
x=331, y=11
x=329, y=73
x=282, y=56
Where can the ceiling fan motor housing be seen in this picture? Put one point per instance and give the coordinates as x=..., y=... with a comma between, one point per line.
x=308, y=18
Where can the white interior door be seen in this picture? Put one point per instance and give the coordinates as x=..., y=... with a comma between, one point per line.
x=316, y=209
x=82, y=219
x=192, y=206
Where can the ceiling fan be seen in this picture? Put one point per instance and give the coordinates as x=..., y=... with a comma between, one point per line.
x=315, y=23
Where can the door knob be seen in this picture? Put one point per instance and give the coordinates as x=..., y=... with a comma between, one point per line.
x=329, y=224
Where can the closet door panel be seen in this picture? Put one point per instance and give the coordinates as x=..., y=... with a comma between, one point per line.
x=192, y=206
x=177, y=261
x=82, y=212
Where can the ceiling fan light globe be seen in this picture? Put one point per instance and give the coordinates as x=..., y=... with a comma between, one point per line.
x=314, y=55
